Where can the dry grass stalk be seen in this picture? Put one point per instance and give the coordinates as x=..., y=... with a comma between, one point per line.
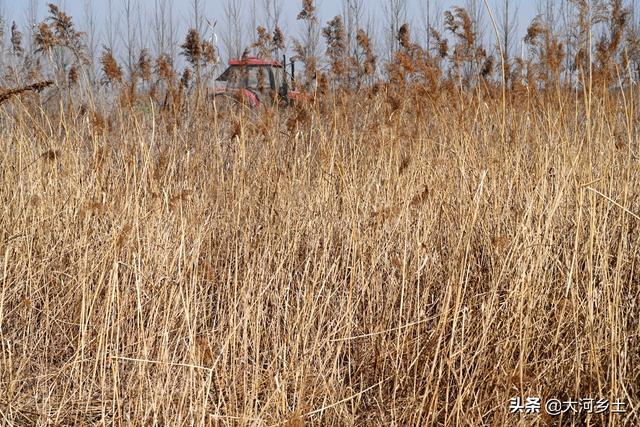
x=6, y=94
x=408, y=253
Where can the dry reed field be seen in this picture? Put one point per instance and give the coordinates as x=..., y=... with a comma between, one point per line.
x=451, y=238
x=359, y=263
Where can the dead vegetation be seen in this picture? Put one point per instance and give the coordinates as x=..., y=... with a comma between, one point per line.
x=409, y=251
x=6, y=94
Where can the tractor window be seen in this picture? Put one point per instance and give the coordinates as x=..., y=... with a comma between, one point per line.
x=258, y=78
x=279, y=78
x=233, y=77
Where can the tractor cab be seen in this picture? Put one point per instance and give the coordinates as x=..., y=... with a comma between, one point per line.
x=256, y=81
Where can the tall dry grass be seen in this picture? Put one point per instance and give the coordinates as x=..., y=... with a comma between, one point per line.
x=361, y=262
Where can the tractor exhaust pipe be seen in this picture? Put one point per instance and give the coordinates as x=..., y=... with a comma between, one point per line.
x=293, y=72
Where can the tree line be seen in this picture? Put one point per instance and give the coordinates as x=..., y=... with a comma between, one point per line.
x=565, y=45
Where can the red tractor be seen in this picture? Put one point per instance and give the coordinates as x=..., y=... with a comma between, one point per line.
x=254, y=82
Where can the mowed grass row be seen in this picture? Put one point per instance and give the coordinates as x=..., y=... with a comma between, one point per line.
x=364, y=262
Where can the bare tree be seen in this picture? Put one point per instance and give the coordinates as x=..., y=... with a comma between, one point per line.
x=395, y=15
x=476, y=12
x=272, y=10
x=32, y=20
x=469, y=60
x=430, y=13
x=130, y=36
x=90, y=25
x=565, y=20
x=546, y=54
x=352, y=16
x=112, y=27
x=253, y=18
x=585, y=14
x=144, y=30
x=2, y=33
x=547, y=9
x=233, y=35
x=633, y=45
x=164, y=27
x=198, y=15
x=508, y=29
x=371, y=28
